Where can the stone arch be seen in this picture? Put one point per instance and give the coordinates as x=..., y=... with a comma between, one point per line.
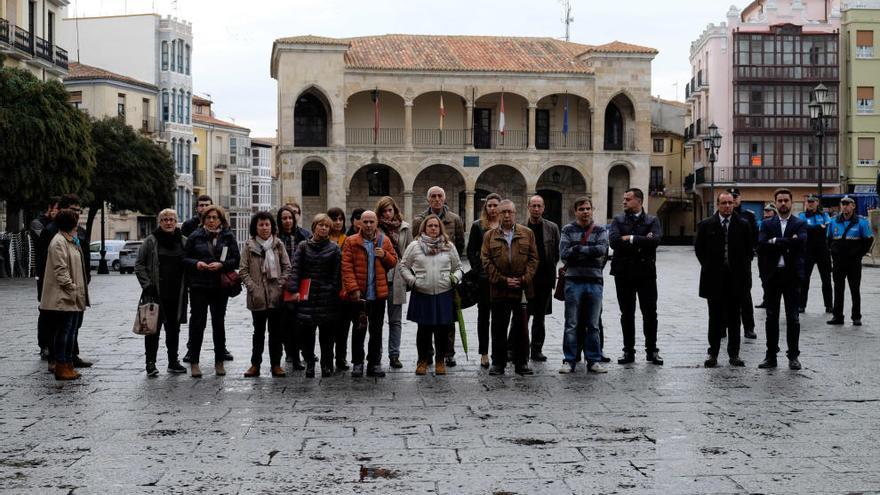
x=446, y=176
x=619, y=179
x=560, y=185
x=372, y=181
x=507, y=181
x=312, y=118
x=620, y=123
x=486, y=121
x=550, y=122
x=360, y=118
x=313, y=192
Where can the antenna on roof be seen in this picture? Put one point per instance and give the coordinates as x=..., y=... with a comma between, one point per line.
x=568, y=19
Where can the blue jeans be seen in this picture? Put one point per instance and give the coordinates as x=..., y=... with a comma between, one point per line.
x=583, y=307
x=65, y=335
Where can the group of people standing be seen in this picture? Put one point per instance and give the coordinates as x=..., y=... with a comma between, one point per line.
x=330, y=283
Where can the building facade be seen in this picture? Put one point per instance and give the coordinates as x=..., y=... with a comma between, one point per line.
x=157, y=50
x=753, y=77
x=102, y=93
x=670, y=186
x=29, y=36
x=262, y=151
x=361, y=118
x=224, y=150
x=860, y=77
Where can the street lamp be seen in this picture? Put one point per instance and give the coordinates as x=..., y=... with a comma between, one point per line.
x=711, y=144
x=821, y=111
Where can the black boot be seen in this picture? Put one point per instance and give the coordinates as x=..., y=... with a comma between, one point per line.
x=310, y=368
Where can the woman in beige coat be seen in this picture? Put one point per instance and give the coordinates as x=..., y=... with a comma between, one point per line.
x=65, y=293
x=264, y=269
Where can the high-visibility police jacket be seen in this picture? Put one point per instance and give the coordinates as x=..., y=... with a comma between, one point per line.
x=850, y=238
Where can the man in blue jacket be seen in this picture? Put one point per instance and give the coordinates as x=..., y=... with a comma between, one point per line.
x=817, y=251
x=851, y=238
x=781, y=244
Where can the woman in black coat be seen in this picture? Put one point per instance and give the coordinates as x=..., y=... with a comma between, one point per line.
x=318, y=261
x=210, y=251
x=488, y=221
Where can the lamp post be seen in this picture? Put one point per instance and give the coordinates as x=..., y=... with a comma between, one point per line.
x=821, y=111
x=711, y=144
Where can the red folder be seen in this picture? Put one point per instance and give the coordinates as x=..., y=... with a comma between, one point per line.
x=304, y=286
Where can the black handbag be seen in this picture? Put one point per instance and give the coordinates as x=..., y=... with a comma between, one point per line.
x=469, y=289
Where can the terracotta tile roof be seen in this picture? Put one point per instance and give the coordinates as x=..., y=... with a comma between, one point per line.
x=198, y=100
x=467, y=53
x=83, y=72
x=211, y=120
x=264, y=141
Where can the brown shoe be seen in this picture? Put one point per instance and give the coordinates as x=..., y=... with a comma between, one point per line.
x=278, y=371
x=439, y=367
x=51, y=366
x=64, y=371
x=219, y=369
x=195, y=370
x=252, y=372
x=422, y=368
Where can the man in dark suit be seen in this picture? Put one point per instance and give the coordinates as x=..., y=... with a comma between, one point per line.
x=781, y=245
x=634, y=236
x=724, y=248
x=747, y=311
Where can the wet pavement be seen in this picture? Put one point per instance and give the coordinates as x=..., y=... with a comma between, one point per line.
x=640, y=428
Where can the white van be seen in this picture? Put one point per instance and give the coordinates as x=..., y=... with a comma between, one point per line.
x=112, y=256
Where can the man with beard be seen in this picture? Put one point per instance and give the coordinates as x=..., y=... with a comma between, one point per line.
x=817, y=252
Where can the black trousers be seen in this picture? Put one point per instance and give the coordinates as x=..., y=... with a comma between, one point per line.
x=501, y=317
x=851, y=271
x=537, y=310
x=747, y=307
x=782, y=285
x=326, y=337
x=375, y=318
x=484, y=311
x=822, y=261
x=342, y=331
x=168, y=320
x=424, y=337
x=201, y=301
x=646, y=290
x=272, y=318
x=290, y=330
x=724, y=319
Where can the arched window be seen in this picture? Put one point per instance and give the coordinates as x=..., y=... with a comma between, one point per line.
x=188, y=104
x=173, y=104
x=173, y=52
x=164, y=55
x=309, y=121
x=613, y=128
x=165, y=105
x=188, y=157
x=180, y=56
x=188, y=58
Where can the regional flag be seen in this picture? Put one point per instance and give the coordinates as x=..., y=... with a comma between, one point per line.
x=442, y=112
x=501, y=116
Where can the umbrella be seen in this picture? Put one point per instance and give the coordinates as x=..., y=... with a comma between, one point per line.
x=462, y=331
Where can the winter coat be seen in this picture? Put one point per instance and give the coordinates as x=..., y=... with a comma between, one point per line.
x=354, y=266
x=146, y=269
x=792, y=249
x=452, y=224
x=429, y=274
x=716, y=279
x=501, y=262
x=262, y=293
x=320, y=262
x=474, y=247
x=635, y=259
x=64, y=281
x=199, y=248
x=398, y=289
x=584, y=261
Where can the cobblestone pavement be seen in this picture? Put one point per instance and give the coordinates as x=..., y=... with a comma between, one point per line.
x=640, y=428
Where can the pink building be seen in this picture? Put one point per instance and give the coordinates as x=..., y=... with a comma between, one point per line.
x=753, y=76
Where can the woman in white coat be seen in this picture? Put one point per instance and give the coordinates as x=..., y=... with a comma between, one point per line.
x=431, y=268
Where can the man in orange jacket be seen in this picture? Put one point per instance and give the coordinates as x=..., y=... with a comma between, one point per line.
x=366, y=257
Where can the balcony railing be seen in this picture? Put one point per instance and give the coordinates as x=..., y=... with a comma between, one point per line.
x=43, y=49
x=785, y=174
x=368, y=136
x=579, y=140
x=511, y=139
x=24, y=40
x=435, y=137
x=200, y=178
x=61, y=57
x=794, y=123
x=790, y=72
x=4, y=31
x=704, y=175
x=221, y=161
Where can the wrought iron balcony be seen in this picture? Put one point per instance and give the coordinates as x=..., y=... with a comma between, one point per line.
x=781, y=123
x=454, y=138
x=4, y=31
x=61, y=57
x=24, y=40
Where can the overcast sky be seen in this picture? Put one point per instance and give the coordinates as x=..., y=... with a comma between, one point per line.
x=233, y=39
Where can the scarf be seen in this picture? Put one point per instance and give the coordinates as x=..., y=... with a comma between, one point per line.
x=431, y=246
x=392, y=230
x=168, y=240
x=270, y=261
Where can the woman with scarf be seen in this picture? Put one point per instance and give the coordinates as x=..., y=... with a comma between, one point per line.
x=210, y=252
x=291, y=235
x=400, y=235
x=159, y=270
x=264, y=270
x=343, y=324
x=315, y=282
x=431, y=268
x=488, y=221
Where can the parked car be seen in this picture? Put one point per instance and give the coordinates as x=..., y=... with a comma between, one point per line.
x=113, y=247
x=128, y=256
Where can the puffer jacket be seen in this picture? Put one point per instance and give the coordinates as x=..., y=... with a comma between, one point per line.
x=501, y=261
x=64, y=281
x=146, y=268
x=262, y=293
x=199, y=248
x=429, y=274
x=320, y=262
x=584, y=261
x=354, y=266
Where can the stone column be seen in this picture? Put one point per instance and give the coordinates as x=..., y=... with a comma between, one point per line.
x=468, y=209
x=408, y=205
x=469, y=127
x=407, y=125
x=532, y=108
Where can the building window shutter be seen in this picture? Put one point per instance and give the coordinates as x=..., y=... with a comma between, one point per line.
x=864, y=38
x=866, y=149
x=865, y=93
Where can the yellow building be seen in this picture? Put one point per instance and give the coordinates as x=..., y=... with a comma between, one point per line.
x=860, y=33
x=671, y=165
x=101, y=93
x=28, y=32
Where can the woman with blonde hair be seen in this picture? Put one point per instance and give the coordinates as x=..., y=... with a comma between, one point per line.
x=431, y=268
x=488, y=221
x=159, y=269
x=400, y=233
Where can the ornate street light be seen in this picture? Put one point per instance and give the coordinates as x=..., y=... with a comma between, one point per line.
x=711, y=145
x=821, y=113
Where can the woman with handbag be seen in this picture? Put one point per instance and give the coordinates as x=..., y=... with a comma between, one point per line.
x=488, y=221
x=211, y=259
x=400, y=233
x=264, y=270
x=159, y=270
x=65, y=292
x=432, y=268
x=314, y=284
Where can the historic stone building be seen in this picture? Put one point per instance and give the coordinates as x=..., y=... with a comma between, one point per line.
x=359, y=118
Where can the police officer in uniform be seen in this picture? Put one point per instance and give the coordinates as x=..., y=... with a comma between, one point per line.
x=817, y=251
x=851, y=238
